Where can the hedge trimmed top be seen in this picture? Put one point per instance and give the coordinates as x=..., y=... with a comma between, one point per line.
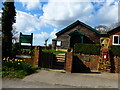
x=75, y=24
x=115, y=50
x=92, y=49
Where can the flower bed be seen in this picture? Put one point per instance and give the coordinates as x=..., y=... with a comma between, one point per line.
x=16, y=68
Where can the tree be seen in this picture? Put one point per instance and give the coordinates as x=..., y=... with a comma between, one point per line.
x=15, y=36
x=8, y=18
x=114, y=25
x=0, y=31
x=0, y=27
x=102, y=28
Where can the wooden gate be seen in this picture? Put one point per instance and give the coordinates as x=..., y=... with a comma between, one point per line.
x=46, y=60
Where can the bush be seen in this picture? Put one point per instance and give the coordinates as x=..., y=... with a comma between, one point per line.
x=16, y=68
x=92, y=49
x=114, y=50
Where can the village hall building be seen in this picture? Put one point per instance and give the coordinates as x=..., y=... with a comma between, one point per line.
x=79, y=32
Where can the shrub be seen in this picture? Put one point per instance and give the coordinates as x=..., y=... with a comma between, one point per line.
x=16, y=64
x=114, y=50
x=93, y=49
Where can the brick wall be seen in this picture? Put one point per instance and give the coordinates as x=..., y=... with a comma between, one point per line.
x=36, y=56
x=92, y=64
x=93, y=60
x=111, y=37
x=69, y=60
x=117, y=64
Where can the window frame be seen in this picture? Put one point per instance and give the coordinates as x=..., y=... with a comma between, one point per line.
x=114, y=40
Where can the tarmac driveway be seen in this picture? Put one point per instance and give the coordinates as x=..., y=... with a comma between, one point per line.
x=58, y=79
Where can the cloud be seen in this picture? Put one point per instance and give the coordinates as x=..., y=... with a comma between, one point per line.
x=107, y=14
x=46, y=35
x=52, y=34
x=61, y=14
x=27, y=23
x=43, y=36
x=31, y=4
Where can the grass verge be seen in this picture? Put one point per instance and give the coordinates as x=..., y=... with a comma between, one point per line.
x=53, y=51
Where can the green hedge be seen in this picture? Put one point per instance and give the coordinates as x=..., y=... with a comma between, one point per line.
x=93, y=49
x=115, y=50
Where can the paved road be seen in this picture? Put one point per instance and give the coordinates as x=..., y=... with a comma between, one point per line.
x=53, y=79
x=25, y=84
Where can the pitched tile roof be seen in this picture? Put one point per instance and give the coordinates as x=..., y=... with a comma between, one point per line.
x=75, y=24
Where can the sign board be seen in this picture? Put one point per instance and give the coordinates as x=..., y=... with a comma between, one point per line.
x=26, y=38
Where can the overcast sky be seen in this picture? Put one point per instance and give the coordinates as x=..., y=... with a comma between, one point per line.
x=44, y=19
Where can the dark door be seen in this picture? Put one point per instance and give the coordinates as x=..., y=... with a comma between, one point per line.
x=75, y=39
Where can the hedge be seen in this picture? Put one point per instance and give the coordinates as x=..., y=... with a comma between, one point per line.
x=92, y=49
x=115, y=50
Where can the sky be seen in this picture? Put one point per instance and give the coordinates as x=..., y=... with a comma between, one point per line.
x=44, y=18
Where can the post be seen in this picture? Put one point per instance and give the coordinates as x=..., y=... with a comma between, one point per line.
x=39, y=57
x=69, y=61
x=54, y=41
x=20, y=42
x=31, y=43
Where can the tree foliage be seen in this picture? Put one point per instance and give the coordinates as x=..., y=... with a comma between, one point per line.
x=8, y=18
x=15, y=35
x=114, y=25
x=102, y=28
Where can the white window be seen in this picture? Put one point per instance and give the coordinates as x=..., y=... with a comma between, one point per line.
x=59, y=43
x=116, y=39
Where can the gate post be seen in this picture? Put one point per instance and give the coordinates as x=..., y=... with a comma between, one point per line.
x=69, y=61
x=39, y=57
x=36, y=56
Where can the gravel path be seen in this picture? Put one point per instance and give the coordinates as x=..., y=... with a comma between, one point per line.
x=55, y=79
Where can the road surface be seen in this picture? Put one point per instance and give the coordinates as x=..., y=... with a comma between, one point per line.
x=55, y=79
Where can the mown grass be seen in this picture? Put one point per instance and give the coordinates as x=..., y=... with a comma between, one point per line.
x=46, y=50
x=26, y=50
x=53, y=51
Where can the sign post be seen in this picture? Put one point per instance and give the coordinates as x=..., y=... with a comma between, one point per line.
x=26, y=39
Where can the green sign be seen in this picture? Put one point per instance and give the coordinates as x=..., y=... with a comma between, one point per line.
x=26, y=38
